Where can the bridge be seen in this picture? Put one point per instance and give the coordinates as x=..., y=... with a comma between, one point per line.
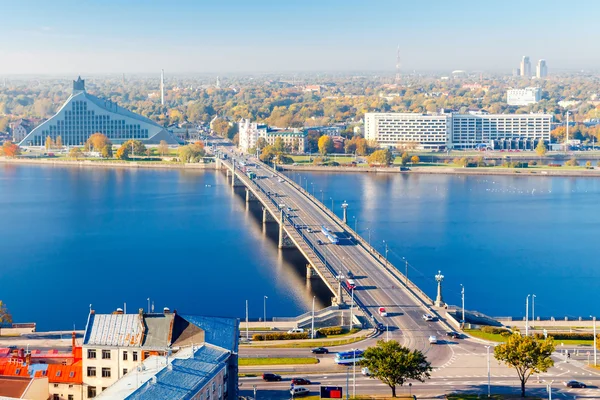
x=301, y=217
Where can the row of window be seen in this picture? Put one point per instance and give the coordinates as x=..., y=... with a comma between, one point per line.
x=106, y=355
x=59, y=397
x=91, y=372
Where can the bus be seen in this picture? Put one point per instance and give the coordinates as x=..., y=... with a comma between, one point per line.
x=329, y=235
x=348, y=357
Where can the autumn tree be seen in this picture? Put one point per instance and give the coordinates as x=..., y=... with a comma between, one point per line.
x=394, y=364
x=381, y=157
x=261, y=143
x=97, y=142
x=75, y=153
x=278, y=145
x=59, y=143
x=10, y=149
x=325, y=145
x=163, y=148
x=541, y=149
x=415, y=160
x=527, y=355
x=130, y=149
x=404, y=158
x=107, y=151
x=191, y=153
x=49, y=143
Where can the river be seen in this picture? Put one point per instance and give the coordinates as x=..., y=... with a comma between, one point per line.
x=75, y=237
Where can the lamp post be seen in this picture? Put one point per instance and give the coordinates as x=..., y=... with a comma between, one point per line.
x=369, y=231
x=527, y=315
x=549, y=388
x=312, y=325
x=331, y=198
x=265, y=310
x=533, y=312
x=354, y=376
x=355, y=223
x=386, y=253
x=462, y=292
x=351, y=323
x=313, y=188
x=321, y=197
x=489, y=372
x=406, y=272
x=595, y=346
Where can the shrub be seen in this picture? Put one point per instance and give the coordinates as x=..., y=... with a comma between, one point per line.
x=567, y=336
x=333, y=330
x=533, y=162
x=279, y=336
x=505, y=334
x=494, y=330
x=572, y=162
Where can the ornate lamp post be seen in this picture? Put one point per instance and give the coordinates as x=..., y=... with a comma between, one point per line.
x=439, y=300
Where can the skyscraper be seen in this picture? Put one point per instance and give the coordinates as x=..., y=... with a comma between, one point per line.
x=162, y=87
x=397, y=80
x=525, y=66
x=542, y=69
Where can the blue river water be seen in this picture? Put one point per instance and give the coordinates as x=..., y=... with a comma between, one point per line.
x=71, y=238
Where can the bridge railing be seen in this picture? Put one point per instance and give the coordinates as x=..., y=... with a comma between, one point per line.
x=411, y=286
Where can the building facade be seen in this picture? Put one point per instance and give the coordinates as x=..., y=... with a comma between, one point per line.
x=20, y=129
x=250, y=132
x=423, y=131
x=525, y=67
x=83, y=114
x=458, y=131
x=541, y=69
x=523, y=97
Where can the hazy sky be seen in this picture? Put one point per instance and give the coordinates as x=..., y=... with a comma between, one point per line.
x=95, y=36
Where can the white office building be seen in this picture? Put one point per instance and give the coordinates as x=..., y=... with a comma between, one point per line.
x=397, y=129
x=250, y=132
x=525, y=67
x=458, y=131
x=523, y=97
x=541, y=69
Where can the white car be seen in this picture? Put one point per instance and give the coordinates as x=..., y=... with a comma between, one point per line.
x=428, y=317
x=365, y=371
x=296, y=330
x=382, y=312
x=299, y=391
x=433, y=339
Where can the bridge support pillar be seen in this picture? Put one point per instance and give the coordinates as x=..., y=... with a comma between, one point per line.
x=284, y=240
x=267, y=217
x=250, y=196
x=228, y=174
x=310, y=272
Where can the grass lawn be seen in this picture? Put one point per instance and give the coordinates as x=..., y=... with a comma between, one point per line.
x=494, y=397
x=277, y=361
x=308, y=344
x=499, y=338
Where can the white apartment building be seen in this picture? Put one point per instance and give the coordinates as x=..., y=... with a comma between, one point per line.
x=541, y=70
x=250, y=132
x=523, y=97
x=500, y=131
x=395, y=129
x=525, y=67
x=458, y=131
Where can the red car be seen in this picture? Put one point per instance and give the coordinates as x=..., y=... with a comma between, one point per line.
x=300, y=381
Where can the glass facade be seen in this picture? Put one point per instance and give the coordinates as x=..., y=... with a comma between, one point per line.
x=78, y=124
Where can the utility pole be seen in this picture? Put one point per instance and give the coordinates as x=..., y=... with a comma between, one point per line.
x=527, y=315
x=489, y=371
x=462, y=292
x=595, y=346
x=533, y=311
x=312, y=327
x=265, y=310
x=247, y=330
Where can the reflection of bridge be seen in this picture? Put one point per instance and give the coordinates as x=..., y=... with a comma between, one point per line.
x=300, y=217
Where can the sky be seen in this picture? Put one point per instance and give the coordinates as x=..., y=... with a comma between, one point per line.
x=227, y=36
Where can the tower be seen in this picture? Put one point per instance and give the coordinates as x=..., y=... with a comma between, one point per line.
x=542, y=69
x=218, y=83
x=397, y=80
x=162, y=87
x=525, y=66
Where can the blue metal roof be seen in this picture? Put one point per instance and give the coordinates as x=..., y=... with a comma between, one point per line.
x=219, y=331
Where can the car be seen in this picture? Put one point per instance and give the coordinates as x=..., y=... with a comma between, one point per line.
x=281, y=180
x=433, y=339
x=428, y=317
x=380, y=327
x=453, y=335
x=300, y=381
x=309, y=230
x=382, y=312
x=319, y=241
x=365, y=371
x=574, y=384
x=299, y=391
x=289, y=208
x=271, y=377
x=296, y=330
x=349, y=274
x=350, y=284
x=320, y=350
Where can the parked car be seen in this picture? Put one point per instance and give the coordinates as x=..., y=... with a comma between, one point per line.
x=299, y=391
x=382, y=312
x=300, y=381
x=428, y=317
x=433, y=339
x=320, y=350
x=365, y=371
x=453, y=335
x=296, y=330
x=271, y=377
x=574, y=384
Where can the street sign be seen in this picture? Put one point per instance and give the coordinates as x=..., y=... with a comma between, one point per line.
x=331, y=392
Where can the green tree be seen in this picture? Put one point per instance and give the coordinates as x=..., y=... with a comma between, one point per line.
x=5, y=315
x=75, y=153
x=163, y=148
x=527, y=355
x=362, y=146
x=572, y=162
x=191, y=153
x=267, y=154
x=261, y=143
x=278, y=145
x=107, y=151
x=381, y=157
x=325, y=145
x=394, y=364
x=404, y=158
x=541, y=149
x=125, y=151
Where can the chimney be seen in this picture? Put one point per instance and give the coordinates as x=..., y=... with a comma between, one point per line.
x=118, y=311
x=141, y=312
x=73, y=344
x=166, y=311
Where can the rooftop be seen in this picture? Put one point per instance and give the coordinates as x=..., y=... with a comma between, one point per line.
x=13, y=387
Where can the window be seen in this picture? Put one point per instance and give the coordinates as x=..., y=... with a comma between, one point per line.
x=135, y=358
x=91, y=392
x=17, y=371
x=71, y=374
x=91, y=371
x=91, y=353
x=70, y=386
x=70, y=397
x=124, y=371
x=106, y=372
x=55, y=397
x=58, y=373
x=214, y=387
x=56, y=385
x=106, y=354
x=124, y=356
x=220, y=391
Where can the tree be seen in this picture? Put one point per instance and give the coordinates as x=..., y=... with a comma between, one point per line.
x=59, y=143
x=527, y=355
x=325, y=145
x=278, y=145
x=404, y=158
x=49, y=143
x=10, y=149
x=541, y=149
x=362, y=147
x=415, y=160
x=124, y=152
x=97, y=141
x=5, y=315
x=267, y=154
x=394, y=364
x=261, y=143
x=163, y=148
x=572, y=162
x=107, y=151
x=75, y=153
x=381, y=157
x=191, y=153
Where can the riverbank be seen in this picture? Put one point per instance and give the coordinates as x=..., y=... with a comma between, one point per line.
x=533, y=171
x=106, y=163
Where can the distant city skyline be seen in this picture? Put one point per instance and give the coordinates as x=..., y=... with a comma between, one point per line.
x=66, y=37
